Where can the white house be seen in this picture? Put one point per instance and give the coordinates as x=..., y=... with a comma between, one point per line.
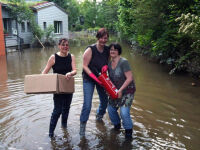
x=46, y=13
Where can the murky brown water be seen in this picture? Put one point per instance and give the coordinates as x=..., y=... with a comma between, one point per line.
x=165, y=110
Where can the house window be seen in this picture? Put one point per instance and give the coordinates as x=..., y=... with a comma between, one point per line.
x=57, y=26
x=23, y=27
x=44, y=25
x=28, y=27
x=7, y=25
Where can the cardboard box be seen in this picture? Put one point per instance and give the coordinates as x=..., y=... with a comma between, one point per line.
x=48, y=83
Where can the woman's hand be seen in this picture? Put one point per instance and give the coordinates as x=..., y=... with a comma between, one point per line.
x=104, y=69
x=68, y=75
x=128, y=80
x=119, y=94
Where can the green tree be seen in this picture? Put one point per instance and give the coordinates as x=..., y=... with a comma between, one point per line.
x=20, y=11
x=152, y=24
x=88, y=10
x=48, y=35
x=107, y=15
x=72, y=8
x=126, y=23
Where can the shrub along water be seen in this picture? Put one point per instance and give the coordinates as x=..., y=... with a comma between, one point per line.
x=167, y=30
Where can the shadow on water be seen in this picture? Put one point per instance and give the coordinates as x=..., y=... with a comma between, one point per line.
x=165, y=111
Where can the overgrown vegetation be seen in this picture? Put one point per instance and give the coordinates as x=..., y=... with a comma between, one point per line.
x=167, y=30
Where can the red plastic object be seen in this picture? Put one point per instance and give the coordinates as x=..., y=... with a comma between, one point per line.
x=108, y=85
x=104, y=69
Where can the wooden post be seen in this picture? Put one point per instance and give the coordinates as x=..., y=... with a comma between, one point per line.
x=2, y=41
x=39, y=41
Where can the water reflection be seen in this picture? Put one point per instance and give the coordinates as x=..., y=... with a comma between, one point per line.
x=165, y=110
x=3, y=72
x=3, y=78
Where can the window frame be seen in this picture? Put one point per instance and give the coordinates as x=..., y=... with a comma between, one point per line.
x=58, y=27
x=45, y=25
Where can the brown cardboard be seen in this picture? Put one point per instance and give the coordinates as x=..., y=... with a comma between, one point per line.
x=48, y=83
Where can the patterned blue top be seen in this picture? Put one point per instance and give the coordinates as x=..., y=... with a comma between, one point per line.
x=117, y=76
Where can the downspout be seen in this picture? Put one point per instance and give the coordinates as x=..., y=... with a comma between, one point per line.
x=18, y=41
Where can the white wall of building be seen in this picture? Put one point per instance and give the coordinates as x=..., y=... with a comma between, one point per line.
x=51, y=14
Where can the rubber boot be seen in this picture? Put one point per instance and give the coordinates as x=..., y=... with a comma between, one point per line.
x=52, y=126
x=99, y=117
x=128, y=133
x=64, y=123
x=117, y=127
x=82, y=129
x=51, y=130
x=64, y=119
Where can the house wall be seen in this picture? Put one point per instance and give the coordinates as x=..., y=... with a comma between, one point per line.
x=2, y=44
x=27, y=36
x=12, y=40
x=51, y=14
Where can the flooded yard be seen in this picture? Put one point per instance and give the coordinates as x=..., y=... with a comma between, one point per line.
x=165, y=111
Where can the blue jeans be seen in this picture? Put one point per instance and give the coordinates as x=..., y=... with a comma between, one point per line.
x=88, y=90
x=125, y=116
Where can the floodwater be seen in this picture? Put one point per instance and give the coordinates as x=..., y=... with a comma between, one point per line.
x=165, y=111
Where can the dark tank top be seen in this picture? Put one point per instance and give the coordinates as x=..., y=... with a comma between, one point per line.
x=97, y=61
x=62, y=65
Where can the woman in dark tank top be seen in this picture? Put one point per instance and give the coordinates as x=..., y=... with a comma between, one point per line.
x=63, y=63
x=94, y=58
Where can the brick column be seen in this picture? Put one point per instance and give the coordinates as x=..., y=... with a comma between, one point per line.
x=2, y=43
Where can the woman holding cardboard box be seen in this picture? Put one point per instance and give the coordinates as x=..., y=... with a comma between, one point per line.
x=61, y=62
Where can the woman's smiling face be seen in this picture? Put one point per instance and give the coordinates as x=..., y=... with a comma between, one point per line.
x=103, y=40
x=113, y=52
x=64, y=47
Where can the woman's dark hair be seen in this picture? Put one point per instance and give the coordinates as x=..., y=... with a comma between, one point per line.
x=101, y=32
x=116, y=46
x=62, y=40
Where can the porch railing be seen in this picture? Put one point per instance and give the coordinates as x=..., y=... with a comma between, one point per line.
x=13, y=41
